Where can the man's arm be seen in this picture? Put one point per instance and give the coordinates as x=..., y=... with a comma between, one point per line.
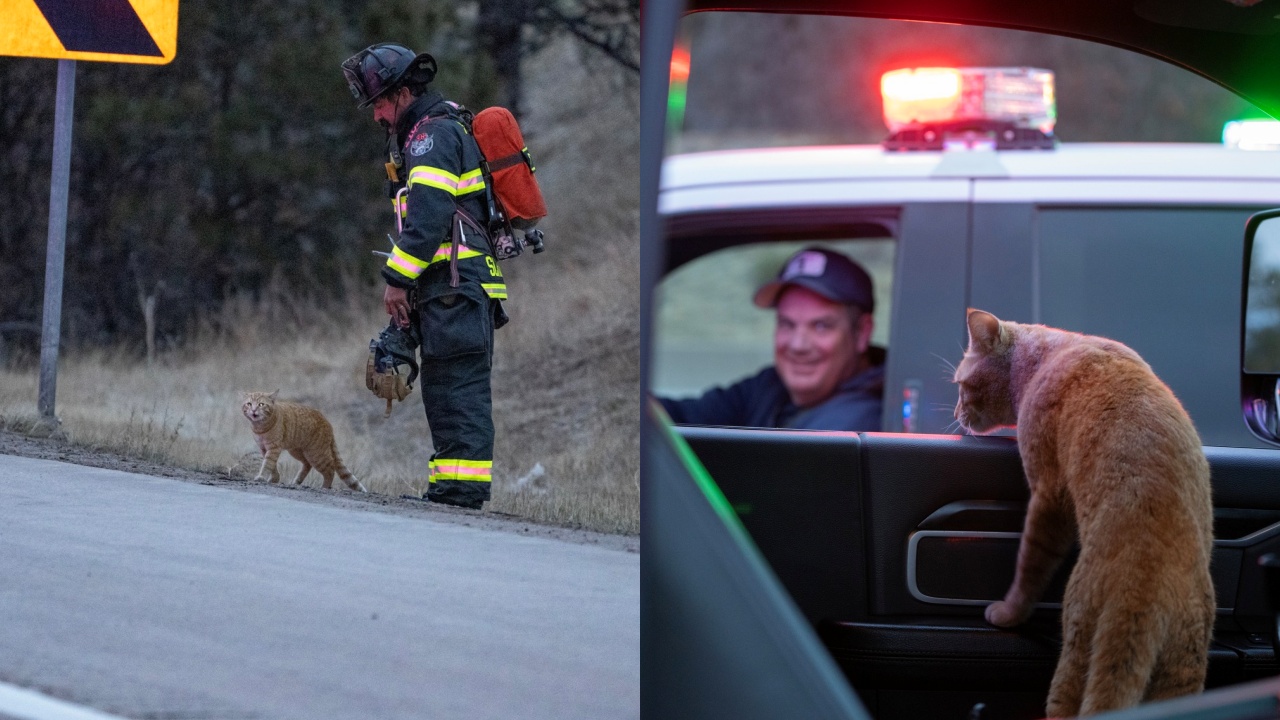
x=746, y=403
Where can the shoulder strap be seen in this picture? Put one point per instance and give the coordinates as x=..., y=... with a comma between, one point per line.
x=511, y=160
x=450, y=110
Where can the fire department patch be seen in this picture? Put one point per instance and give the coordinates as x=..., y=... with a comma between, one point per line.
x=420, y=144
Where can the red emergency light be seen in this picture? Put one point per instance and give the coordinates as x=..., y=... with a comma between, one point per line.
x=920, y=95
x=1013, y=105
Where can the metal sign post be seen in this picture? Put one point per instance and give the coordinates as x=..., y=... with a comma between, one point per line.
x=59, y=182
x=99, y=30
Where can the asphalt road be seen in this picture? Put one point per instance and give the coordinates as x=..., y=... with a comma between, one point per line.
x=156, y=598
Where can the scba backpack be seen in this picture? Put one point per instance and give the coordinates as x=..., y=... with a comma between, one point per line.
x=515, y=200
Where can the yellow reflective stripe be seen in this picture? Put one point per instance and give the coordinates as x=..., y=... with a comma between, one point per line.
x=446, y=249
x=441, y=475
x=434, y=177
x=470, y=470
x=497, y=291
x=478, y=464
x=471, y=182
x=405, y=264
x=440, y=179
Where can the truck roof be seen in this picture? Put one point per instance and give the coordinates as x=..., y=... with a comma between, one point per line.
x=862, y=175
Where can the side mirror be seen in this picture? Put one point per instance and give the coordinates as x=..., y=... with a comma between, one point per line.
x=1260, y=334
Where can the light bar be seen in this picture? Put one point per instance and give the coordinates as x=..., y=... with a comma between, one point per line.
x=1252, y=134
x=1021, y=97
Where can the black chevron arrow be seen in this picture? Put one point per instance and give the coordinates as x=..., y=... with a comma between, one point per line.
x=99, y=26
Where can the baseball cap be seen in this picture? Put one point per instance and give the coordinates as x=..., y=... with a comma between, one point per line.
x=825, y=272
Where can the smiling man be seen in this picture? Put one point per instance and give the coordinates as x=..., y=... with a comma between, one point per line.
x=826, y=374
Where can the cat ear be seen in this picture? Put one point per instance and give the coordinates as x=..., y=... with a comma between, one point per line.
x=274, y=393
x=985, y=331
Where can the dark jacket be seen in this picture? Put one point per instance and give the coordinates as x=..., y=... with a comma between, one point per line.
x=442, y=173
x=763, y=401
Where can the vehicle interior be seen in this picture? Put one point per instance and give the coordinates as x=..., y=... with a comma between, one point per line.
x=854, y=586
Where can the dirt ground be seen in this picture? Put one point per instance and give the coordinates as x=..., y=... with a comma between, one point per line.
x=59, y=450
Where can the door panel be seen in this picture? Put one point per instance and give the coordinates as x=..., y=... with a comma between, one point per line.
x=796, y=492
x=851, y=521
x=910, y=477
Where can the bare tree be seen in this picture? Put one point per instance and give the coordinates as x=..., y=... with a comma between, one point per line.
x=610, y=27
x=499, y=29
x=510, y=30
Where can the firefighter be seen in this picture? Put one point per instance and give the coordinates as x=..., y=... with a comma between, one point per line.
x=441, y=276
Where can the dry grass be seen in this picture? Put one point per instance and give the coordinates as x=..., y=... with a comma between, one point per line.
x=564, y=400
x=566, y=370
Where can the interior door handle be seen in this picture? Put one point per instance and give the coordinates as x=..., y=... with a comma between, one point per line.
x=977, y=516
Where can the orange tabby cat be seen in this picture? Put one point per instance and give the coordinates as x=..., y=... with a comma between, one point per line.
x=302, y=431
x=1112, y=457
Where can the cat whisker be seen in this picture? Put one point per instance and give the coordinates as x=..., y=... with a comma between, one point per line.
x=951, y=368
x=950, y=365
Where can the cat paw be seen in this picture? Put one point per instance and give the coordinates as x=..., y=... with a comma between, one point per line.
x=1005, y=614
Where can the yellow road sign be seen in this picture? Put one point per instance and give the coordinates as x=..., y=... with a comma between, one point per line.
x=132, y=31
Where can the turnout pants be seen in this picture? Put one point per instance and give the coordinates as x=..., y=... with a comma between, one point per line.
x=457, y=325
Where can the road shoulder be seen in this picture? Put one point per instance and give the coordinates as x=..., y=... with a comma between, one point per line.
x=60, y=450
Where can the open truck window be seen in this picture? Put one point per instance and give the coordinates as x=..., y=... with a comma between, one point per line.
x=708, y=332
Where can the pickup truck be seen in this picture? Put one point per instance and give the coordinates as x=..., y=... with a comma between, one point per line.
x=825, y=574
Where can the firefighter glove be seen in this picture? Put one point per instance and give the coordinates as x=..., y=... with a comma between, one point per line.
x=388, y=385
x=392, y=348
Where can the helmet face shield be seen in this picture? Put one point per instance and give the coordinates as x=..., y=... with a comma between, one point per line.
x=350, y=70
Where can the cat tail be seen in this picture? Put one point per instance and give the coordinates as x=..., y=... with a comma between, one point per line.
x=343, y=473
x=1127, y=643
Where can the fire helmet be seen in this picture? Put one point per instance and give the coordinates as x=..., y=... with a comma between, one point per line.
x=383, y=67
